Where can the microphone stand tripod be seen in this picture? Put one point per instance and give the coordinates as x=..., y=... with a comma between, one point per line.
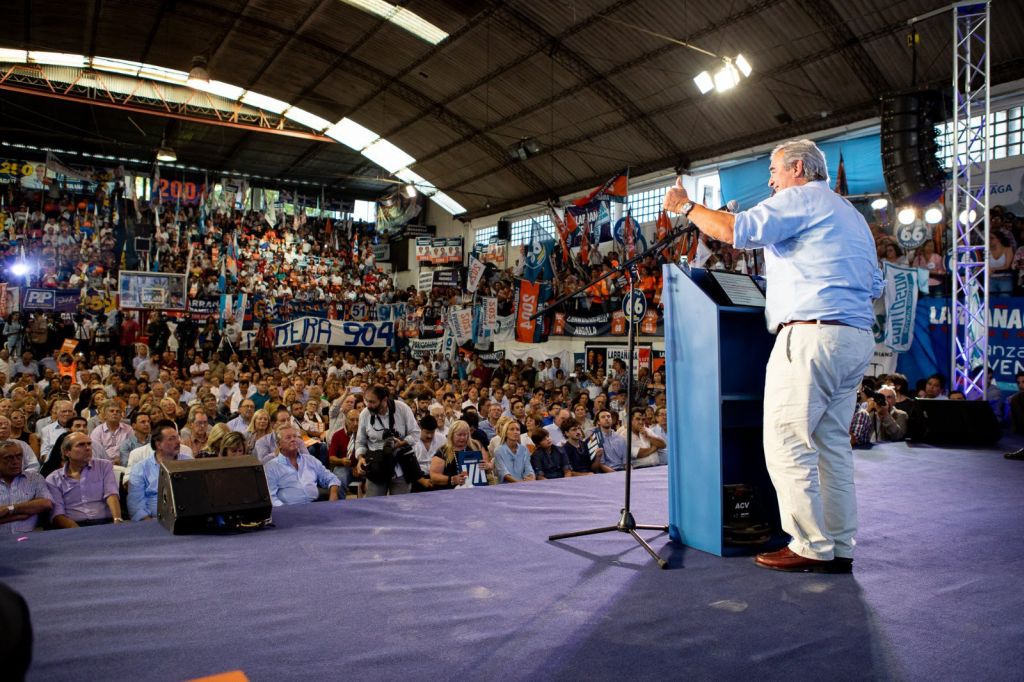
x=626, y=524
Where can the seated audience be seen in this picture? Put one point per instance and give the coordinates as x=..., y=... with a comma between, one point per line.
x=144, y=479
x=84, y=490
x=23, y=494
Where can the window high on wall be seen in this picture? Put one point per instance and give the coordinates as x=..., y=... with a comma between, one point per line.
x=366, y=211
x=1005, y=128
x=523, y=228
x=484, y=234
x=645, y=205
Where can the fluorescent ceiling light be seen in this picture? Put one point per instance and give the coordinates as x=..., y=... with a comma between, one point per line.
x=388, y=156
x=121, y=66
x=225, y=90
x=447, y=203
x=56, y=58
x=255, y=99
x=307, y=119
x=348, y=132
x=15, y=56
x=403, y=18
x=704, y=82
x=419, y=181
x=159, y=73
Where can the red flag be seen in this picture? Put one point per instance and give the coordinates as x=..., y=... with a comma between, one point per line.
x=615, y=189
x=563, y=232
x=628, y=236
x=663, y=226
x=842, y=188
x=584, y=242
x=529, y=299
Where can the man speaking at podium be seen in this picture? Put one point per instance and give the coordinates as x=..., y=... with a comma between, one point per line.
x=822, y=275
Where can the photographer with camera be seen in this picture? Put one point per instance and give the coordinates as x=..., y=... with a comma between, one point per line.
x=385, y=437
x=879, y=419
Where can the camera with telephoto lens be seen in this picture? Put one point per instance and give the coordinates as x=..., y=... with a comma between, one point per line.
x=878, y=398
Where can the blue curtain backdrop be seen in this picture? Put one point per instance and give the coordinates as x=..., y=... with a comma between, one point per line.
x=747, y=182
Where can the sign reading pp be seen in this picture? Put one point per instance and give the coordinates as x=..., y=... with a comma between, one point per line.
x=39, y=299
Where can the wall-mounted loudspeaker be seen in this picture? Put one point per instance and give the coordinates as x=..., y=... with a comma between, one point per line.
x=505, y=229
x=909, y=146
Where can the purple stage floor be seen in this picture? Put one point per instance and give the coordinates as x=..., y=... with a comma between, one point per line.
x=464, y=585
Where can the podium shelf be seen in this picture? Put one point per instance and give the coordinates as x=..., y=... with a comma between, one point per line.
x=736, y=397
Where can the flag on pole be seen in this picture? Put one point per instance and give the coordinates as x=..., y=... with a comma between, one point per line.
x=842, y=187
x=662, y=227
x=628, y=236
x=615, y=189
x=538, y=255
x=563, y=232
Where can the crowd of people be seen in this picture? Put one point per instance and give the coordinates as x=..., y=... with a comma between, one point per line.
x=326, y=425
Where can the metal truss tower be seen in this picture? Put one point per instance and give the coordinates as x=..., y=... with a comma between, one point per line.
x=970, y=215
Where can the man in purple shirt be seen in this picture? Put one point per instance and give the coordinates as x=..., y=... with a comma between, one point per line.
x=108, y=436
x=84, y=490
x=23, y=495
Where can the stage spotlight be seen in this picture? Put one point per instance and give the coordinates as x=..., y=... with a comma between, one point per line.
x=705, y=83
x=907, y=215
x=880, y=203
x=19, y=269
x=966, y=217
x=933, y=216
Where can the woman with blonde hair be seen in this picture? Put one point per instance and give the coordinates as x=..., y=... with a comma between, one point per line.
x=496, y=441
x=445, y=472
x=212, y=447
x=259, y=426
x=231, y=445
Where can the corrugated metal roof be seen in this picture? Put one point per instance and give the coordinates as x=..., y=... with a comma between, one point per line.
x=592, y=92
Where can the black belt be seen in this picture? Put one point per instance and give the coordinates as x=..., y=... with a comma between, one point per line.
x=836, y=323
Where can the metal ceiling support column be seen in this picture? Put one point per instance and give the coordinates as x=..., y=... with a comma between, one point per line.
x=972, y=145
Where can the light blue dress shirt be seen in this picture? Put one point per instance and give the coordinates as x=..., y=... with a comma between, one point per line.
x=820, y=258
x=289, y=485
x=516, y=464
x=143, y=483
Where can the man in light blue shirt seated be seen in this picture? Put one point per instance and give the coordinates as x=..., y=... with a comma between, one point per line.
x=144, y=479
x=265, y=449
x=295, y=478
x=611, y=453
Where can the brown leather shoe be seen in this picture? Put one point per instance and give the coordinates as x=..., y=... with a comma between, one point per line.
x=787, y=560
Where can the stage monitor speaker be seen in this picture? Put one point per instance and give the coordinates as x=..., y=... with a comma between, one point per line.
x=910, y=162
x=953, y=422
x=505, y=229
x=213, y=494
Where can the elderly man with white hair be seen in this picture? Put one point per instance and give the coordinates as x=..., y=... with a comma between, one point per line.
x=820, y=259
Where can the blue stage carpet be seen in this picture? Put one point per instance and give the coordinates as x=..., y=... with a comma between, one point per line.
x=463, y=585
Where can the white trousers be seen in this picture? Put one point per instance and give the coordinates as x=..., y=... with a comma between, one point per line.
x=810, y=393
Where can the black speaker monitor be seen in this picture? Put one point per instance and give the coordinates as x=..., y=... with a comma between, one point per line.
x=505, y=229
x=953, y=422
x=214, y=494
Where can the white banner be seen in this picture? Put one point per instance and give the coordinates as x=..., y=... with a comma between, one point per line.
x=901, y=304
x=476, y=272
x=320, y=332
x=461, y=322
x=490, y=312
x=425, y=281
x=419, y=348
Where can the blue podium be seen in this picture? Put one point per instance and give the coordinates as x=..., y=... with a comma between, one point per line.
x=715, y=355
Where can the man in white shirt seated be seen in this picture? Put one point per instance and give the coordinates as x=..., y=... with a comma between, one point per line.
x=429, y=442
x=266, y=447
x=145, y=450
x=294, y=477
